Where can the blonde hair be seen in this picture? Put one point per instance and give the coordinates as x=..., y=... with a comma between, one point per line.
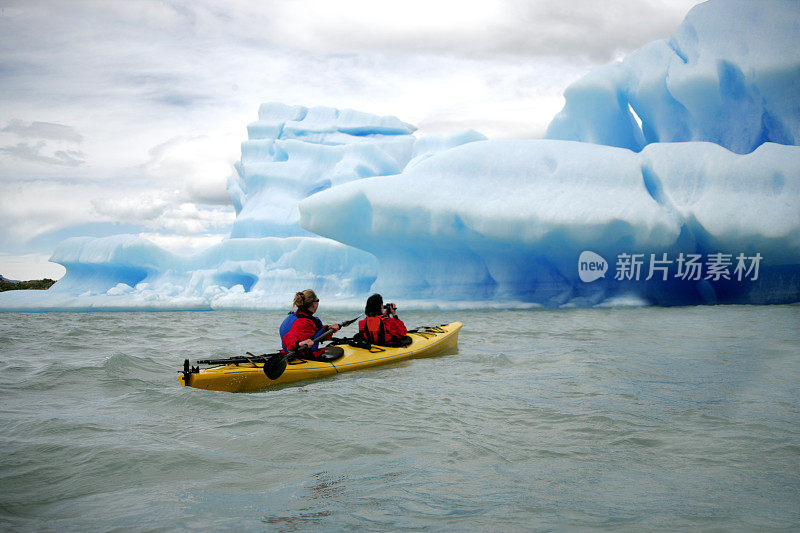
x=304, y=298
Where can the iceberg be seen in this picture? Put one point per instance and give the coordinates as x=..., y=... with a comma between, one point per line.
x=293, y=152
x=669, y=178
x=126, y=272
x=521, y=239
x=729, y=75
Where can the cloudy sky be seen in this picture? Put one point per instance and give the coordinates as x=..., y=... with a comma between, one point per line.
x=127, y=116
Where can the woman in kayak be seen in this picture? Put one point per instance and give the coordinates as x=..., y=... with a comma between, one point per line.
x=300, y=326
x=382, y=325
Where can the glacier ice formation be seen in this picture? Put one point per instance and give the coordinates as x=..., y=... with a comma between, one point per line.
x=729, y=75
x=520, y=239
x=671, y=177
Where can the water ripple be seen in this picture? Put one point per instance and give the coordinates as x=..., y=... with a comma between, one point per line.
x=580, y=419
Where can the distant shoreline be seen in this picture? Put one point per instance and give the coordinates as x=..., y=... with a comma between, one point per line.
x=34, y=284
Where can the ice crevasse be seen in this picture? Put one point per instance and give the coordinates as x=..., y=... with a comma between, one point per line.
x=671, y=177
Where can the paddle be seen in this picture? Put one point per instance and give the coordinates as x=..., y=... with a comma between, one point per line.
x=275, y=366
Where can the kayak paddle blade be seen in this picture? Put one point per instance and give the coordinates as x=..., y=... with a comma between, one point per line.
x=275, y=366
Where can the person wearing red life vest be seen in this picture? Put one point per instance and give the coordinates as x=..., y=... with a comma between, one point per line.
x=301, y=325
x=382, y=326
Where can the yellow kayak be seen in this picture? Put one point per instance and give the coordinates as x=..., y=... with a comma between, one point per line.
x=250, y=376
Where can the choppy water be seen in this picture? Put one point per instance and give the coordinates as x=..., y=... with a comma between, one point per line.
x=621, y=419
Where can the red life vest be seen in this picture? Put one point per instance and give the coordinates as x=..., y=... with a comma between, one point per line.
x=289, y=322
x=375, y=330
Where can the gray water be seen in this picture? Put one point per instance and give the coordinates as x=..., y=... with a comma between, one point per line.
x=619, y=419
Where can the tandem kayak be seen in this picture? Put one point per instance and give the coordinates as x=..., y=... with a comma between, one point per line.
x=248, y=376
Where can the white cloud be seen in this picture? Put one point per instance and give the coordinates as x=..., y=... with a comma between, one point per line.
x=31, y=208
x=43, y=130
x=199, y=166
x=28, y=152
x=24, y=267
x=188, y=219
x=159, y=212
x=182, y=244
x=552, y=28
x=141, y=208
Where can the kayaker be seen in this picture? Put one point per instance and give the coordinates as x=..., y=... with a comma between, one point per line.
x=301, y=325
x=382, y=326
